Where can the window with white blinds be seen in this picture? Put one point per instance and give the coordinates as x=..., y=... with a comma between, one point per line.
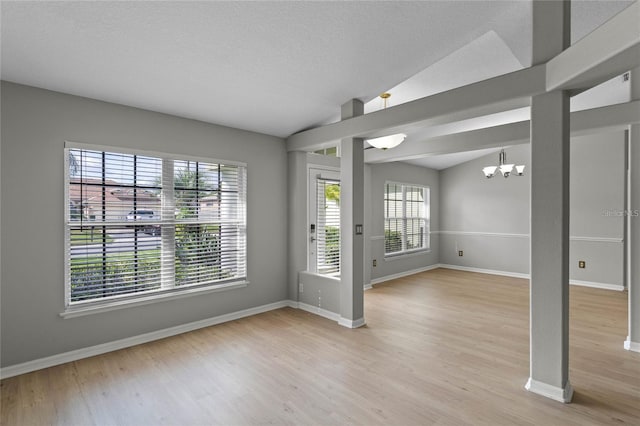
x=138, y=225
x=328, y=226
x=406, y=218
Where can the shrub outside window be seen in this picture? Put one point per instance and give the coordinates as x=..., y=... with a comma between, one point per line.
x=328, y=227
x=406, y=218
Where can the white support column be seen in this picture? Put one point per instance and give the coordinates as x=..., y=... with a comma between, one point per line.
x=351, y=224
x=549, y=285
x=633, y=225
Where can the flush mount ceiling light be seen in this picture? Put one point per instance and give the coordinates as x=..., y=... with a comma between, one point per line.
x=505, y=169
x=386, y=142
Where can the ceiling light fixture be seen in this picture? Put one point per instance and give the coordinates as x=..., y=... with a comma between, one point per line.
x=505, y=169
x=390, y=141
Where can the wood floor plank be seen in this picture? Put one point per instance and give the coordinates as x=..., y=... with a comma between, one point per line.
x=441, y=347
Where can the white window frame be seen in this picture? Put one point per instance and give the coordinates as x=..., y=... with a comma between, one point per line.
x=427, y=219
x=168, y=288
x=325, y=151
x=314, y=174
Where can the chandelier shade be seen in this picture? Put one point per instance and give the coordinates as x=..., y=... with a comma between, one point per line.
x=489, y=171
x=505, y=169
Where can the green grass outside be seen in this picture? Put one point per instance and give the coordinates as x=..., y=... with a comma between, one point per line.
x=96, y=260
x=81, y=237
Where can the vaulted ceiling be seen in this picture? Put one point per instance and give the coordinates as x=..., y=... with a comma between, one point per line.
x=270, y=67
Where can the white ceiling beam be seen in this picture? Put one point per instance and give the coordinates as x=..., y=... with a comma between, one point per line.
x=612, y=117
x=609, y=50
x=502, y=93
x=582, y=122
x=506, y=134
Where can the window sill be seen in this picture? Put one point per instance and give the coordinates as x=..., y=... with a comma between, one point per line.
x=79, y=311
x=400, y=256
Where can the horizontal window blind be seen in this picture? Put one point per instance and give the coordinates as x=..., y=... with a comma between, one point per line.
x=406, y=218
x=328, y=226
x=139, y=224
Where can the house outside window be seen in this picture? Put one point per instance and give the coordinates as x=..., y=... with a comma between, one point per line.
x=406, y=218
x=144, y=225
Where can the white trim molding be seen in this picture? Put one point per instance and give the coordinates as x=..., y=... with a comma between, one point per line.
x=406, y=254
x=631, y=346
x=318, y=311
x=592, y=284
x=485, y=271
x=401, y=274
x=558, y=394
x=345, y=322
x=483, y=234
x=616, y=240
x=597, y=239
x=50, y=361
x=333, y=316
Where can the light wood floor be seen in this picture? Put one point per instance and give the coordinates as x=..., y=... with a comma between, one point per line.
x=441, y=347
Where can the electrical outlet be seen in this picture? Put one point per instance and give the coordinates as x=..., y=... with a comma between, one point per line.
x=300, y=288
x=375, y=262
x=460, y=253
x=582, y=264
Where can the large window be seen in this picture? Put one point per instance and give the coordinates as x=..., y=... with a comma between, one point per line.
x=406, y=218
x=143, y=225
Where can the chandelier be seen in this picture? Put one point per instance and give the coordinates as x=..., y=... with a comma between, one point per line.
x=503, y=167
x=390, y=141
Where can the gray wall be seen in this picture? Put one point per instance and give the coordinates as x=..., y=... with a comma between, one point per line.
x=315, y=286
x=375, y=177
x=474, y=209
x=325, y=290
x=35, y=124
x=403, y=173
x=489, y=219
x=320, y=291
x=297, y=223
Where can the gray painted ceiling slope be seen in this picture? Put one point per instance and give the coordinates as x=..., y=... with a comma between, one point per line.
x=269, y=67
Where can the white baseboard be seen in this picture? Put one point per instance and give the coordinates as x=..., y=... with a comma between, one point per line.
x=368, y=286
x=328, y=314
x=351, y=323
x=553, y=392
x=485, y=271
x=38, y=364
x=592, y=284
x=318, y=311
x=631, y=346
x=604, y=286
x=402, y=274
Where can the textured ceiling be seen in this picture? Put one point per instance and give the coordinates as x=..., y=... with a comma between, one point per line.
x=269, y=67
